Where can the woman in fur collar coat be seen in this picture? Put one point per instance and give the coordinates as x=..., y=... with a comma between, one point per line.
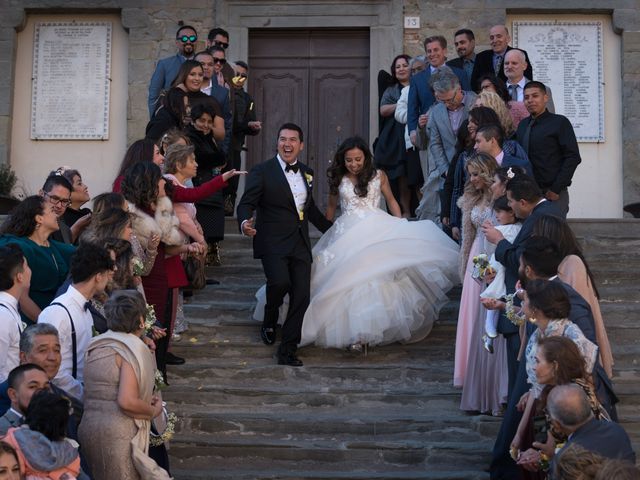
x=151, y=210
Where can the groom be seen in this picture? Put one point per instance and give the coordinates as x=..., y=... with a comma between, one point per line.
x=279, y=190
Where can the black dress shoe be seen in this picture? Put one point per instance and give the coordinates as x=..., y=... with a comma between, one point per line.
x=171, y=359
x=268, y=335
x=212, y=281
x=289, y=359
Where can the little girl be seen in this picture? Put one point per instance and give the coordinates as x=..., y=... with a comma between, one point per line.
x=497, y=289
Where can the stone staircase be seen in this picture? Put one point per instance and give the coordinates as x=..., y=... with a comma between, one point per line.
x=392, y=414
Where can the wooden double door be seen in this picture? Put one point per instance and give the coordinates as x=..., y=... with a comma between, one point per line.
x=318, y=79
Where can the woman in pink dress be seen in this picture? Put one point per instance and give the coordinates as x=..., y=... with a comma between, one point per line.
x=482, y=375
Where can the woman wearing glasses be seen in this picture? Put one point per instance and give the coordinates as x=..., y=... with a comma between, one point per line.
x=30, y=225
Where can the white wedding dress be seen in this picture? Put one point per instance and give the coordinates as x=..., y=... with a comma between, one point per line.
x=375, y=278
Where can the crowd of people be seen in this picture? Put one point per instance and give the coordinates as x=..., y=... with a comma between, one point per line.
x=91, y=300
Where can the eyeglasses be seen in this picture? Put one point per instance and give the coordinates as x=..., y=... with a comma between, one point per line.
x=221, y=44
x=450, y=101
x=55, y=200
x=221, y=61
x=188, y=38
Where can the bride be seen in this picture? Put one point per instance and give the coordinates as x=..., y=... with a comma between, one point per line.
x=375, y=278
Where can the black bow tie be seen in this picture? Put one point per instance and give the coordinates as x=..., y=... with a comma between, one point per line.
x=87, y=306
x=292, y=168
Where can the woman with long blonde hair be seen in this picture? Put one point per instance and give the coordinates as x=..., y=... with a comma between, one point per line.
x=482, y=375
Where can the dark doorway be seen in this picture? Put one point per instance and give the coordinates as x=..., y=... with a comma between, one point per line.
x=318, y=79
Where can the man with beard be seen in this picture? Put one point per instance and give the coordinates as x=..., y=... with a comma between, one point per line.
x=24, y=381
x=167, y=68
x=465, y=43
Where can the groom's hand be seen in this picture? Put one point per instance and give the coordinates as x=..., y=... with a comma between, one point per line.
x=247, y=227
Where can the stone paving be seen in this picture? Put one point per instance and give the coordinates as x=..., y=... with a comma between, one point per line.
x=390, y=414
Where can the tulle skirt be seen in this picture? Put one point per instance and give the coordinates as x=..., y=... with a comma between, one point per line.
x=377, y=279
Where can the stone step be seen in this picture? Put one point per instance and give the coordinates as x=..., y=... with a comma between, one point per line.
x=465, y=453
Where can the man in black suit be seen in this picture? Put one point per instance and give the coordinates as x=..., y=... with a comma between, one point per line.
x=527, y=202
x=570, y=412
x=279, y=190
x=492, y=61
x=465, y=43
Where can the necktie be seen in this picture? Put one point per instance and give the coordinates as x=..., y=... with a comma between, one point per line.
x=513, y=91
x=87, y=306
x=292, y=168
x=497, y=63
x=527, y=134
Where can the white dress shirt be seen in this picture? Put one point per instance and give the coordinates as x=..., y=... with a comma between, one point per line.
x=11, y=327
x=296, y=184
x=520, y=90
x=207, y=89
x=83, y=322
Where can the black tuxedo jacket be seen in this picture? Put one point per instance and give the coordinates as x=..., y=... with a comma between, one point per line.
x=278, y=223
x=508, y=254
x=484, y=65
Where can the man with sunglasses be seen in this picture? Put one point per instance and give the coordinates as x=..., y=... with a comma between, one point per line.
x=167, y=68
x=219, y=38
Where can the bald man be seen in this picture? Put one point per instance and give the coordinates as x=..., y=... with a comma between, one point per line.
x=491, y=62
x=515, y=66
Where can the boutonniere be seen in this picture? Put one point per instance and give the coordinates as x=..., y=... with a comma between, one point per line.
x=309, y=178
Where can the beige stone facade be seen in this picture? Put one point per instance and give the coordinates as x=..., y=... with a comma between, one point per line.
x=151, y=26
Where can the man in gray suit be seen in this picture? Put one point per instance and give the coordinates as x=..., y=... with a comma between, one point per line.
x=444, y=121
x=24, y=381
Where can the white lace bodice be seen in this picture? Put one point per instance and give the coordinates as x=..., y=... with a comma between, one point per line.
x=351, y=203
x=482, y=213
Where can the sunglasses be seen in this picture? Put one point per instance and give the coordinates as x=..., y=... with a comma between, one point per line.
x=188, y=38
x=221, y=44
x=221, y=61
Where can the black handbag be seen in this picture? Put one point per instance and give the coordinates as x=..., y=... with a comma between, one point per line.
x=390, y=148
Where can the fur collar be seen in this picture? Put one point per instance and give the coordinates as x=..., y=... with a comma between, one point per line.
x=164, y=223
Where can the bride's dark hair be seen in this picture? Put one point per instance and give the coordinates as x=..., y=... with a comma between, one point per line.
x=337, y=169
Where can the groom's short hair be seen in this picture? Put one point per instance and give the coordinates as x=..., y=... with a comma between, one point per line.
x=290, y=126
x=524, y=187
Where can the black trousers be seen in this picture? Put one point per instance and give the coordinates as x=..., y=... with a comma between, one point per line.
x=288, y=274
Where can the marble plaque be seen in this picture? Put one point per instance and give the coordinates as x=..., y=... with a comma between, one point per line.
x=70, y=85
x=567, y=56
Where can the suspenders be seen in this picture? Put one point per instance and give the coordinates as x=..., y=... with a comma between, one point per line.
x=74, y=343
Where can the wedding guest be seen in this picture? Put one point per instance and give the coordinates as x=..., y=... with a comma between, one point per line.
x=464, y=149
x=517, y=110
x=494, y=102
x=172, y=137
x=574, y=270
x=613, y=469
x=42, y=446
x=570, y=413
x=481, y=375
x=577, y=463
x=91, y=270
x=57, y=192
x=79, y=196
x=490, y=139
x=558, y=361
x=390, y=153
x=175, y=105
x=119, y=397
x=143, y=150
x=15, y=278
x=23, y=382
x=111, y=223
x=478, y=118
x=29, y=226
x=9, y=465
x=551, y=145
x=547, y=303
x=152, y=215
x=210, y=159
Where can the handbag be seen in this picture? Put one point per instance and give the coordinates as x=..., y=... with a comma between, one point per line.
x=390, y=149
x=196, y=275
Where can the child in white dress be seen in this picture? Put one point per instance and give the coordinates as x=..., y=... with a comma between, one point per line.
x=497, y=289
